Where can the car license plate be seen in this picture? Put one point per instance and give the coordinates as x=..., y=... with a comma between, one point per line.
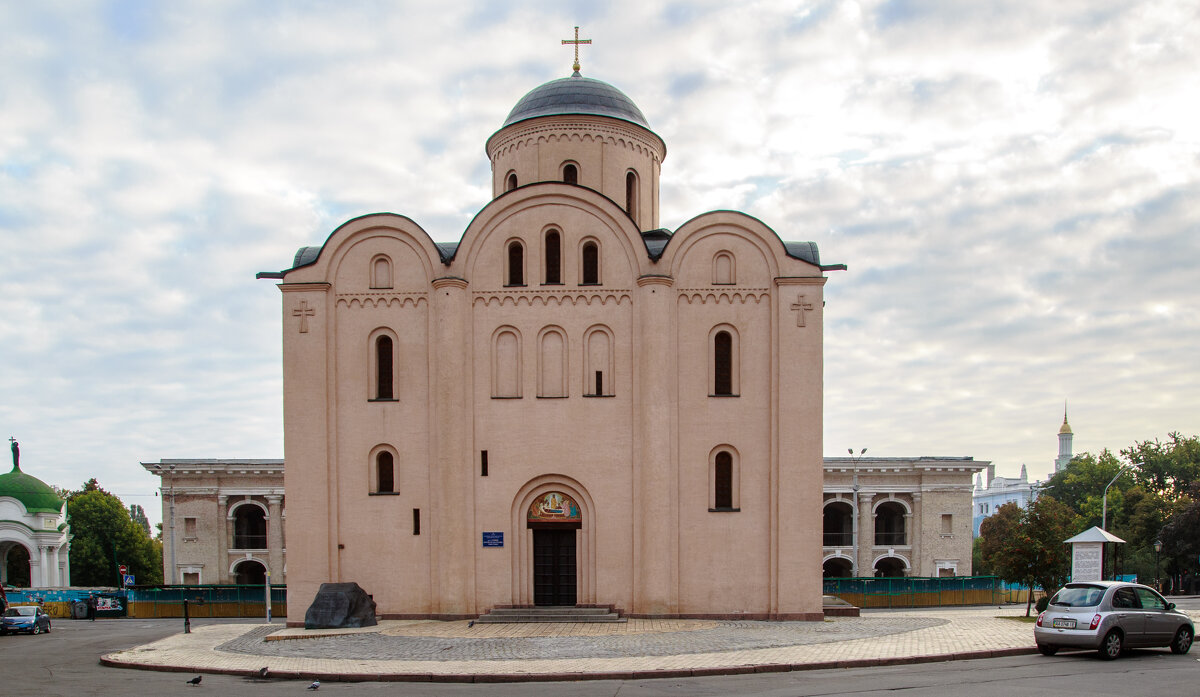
x=1061, y=623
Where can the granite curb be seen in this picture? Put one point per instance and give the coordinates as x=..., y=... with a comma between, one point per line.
x=577, y=676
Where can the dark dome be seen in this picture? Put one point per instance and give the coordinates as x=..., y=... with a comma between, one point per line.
x=576, y=95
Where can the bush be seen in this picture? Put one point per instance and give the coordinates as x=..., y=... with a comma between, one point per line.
x=1042, y=603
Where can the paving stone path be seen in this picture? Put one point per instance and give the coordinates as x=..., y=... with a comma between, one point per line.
x=719, y=636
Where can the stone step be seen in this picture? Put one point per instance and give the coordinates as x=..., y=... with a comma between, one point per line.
x=550, y=614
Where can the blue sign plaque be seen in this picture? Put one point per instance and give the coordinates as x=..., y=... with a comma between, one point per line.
x=493, y=539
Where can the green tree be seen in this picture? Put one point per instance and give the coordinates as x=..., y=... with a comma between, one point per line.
x=1167, y=469
x=1025, y=546
x=104, y=536
x=1080, y=485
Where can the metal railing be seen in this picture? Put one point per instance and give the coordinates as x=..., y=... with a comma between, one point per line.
x=837, y=539
x=890, y=539
x=914, y=591
x=249, y=542
x=206, y=601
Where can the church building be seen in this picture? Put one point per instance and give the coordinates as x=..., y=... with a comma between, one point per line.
x=569, y=406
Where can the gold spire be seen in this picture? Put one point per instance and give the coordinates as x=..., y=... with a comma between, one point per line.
x=576, y=41
x=1066, y=427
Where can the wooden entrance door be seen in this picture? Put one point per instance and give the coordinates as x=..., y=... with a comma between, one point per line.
x=554, y=566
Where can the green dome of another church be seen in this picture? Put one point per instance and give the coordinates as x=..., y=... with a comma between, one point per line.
x=33, y=493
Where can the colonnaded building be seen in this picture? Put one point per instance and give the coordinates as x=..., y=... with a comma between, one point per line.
x=569, y=406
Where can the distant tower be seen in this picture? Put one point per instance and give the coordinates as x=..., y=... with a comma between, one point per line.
x=1064, y=444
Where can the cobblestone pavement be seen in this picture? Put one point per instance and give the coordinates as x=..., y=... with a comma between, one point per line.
x=451, y=651
x=389, y=644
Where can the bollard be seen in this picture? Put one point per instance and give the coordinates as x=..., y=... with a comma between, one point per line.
x=187, y=621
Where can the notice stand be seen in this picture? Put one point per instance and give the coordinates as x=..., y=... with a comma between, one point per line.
x=1087, y=553
x=268, y=589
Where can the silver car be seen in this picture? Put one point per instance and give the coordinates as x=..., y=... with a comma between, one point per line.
x=1111, y=616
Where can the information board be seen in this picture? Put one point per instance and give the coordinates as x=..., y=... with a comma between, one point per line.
x=493, y=539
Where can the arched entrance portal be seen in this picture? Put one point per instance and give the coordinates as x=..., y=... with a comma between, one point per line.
x=554, y=518
x=250, y=572
x=14, y=565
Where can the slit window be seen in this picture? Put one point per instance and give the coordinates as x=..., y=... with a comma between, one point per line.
x=591, y=263
x=416, y=521
x=383, y=368
x=553, y=257
x=385, y=473
x=511, y=182
x=570, y=174
x=516, y=264
x=631, y=194
x=723, y=364
x=723, y=483
x=483, y=463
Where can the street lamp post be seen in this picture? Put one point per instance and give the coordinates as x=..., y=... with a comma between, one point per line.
x=1157, y=549
x=171, y=489
x=854, y=523
x=1104, y=510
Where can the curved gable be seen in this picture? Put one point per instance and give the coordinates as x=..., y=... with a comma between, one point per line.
x=526, y=213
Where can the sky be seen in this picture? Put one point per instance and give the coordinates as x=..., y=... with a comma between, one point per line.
x=1013, y=187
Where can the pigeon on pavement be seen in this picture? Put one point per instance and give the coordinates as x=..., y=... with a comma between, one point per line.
x=316, y=685
x=195, y=680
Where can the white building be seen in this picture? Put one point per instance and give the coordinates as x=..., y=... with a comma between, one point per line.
x=998, y=491
x=33, y=518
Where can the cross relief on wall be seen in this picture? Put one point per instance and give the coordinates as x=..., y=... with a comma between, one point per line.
x=801, y=307
x=303, y=311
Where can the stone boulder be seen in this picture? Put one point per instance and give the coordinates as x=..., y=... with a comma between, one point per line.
x=338, y=606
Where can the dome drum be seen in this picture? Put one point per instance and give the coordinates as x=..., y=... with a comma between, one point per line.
x=591, y=125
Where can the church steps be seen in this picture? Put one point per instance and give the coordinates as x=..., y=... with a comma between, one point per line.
x=583, y=615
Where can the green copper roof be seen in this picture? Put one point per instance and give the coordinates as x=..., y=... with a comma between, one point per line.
x=33, y=493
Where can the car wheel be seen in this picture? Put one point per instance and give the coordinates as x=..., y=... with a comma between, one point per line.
x=1047, y=650
x=1182, y=641
x=1110, y=648
x=37, y=628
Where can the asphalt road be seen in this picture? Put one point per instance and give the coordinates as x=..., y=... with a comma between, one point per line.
x=66, y=662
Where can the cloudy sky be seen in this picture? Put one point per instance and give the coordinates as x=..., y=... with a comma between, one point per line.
x=1012, y=185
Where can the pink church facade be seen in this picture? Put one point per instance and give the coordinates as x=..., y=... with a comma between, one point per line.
x=570, y=406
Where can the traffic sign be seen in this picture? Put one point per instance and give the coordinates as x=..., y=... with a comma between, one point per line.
x=128, y=579
x=123, y=569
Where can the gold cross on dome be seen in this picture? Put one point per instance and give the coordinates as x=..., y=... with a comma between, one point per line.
x=576, y=41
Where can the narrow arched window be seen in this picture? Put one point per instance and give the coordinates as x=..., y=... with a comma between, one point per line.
x=553, y=257
x=723, y=364
x=385, y=473
x=552, y=364
x=383, y=368
x=506, y=364
x=570, y=174
x=631, y=187
x=591, y=263
x=381, y=272
x=723, y=269
x=516, y=264
x=723, y=481
x=511, y=182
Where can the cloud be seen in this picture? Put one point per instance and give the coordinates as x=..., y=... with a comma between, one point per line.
x=1012, y=186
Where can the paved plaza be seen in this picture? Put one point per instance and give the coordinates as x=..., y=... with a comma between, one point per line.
x=455, y=651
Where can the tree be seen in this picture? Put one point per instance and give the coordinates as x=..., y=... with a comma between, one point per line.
x=104, y=536
x=1025, y=546
x=1168, y=469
